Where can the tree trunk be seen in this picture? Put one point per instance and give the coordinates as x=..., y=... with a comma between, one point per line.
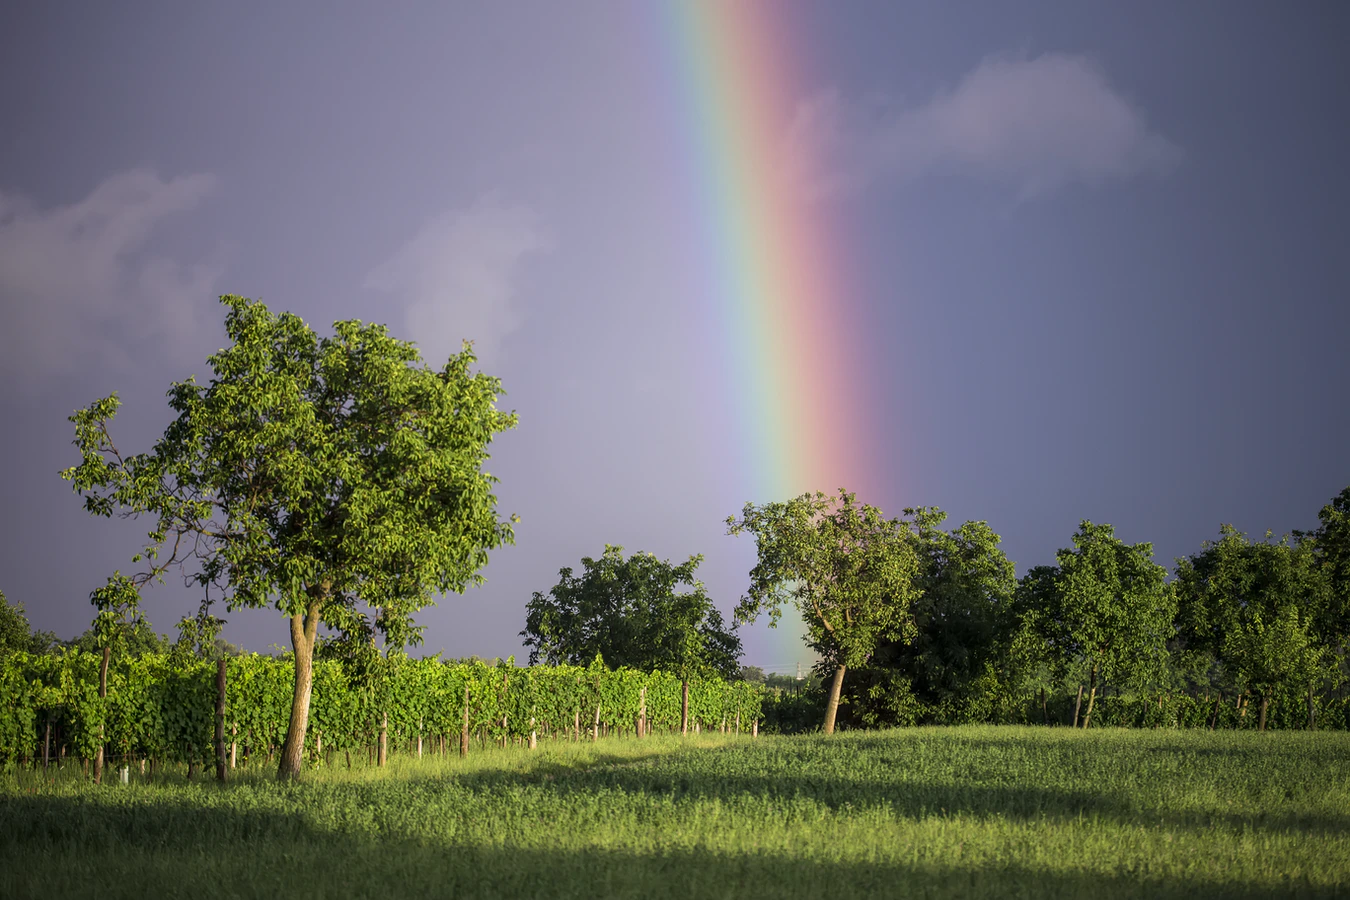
x=1077, y=704
x=1265, y=705
x=1092, y=696
x=102, y=693
x=303, y=630
x=1218, y=702
x=832, y=705
x=684, y=706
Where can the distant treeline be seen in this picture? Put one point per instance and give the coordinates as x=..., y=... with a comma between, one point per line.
x=1246, y=633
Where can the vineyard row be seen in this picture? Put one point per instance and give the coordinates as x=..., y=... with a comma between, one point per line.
x=162, y=707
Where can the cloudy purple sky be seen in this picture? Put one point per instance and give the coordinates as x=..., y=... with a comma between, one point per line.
x=1105, y=248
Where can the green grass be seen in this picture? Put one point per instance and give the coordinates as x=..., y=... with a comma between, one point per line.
x=925, y=812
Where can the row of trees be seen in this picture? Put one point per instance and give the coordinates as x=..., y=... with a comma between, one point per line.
x=937, y=627
x=341, y=481
x=916, y=623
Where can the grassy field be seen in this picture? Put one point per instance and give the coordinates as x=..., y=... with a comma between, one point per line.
x=941, y=812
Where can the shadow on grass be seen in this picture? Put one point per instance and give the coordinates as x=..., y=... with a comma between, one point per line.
x=64, y=847
x=905, y=798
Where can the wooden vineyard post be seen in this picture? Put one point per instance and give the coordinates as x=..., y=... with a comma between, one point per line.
x=642, y=712
x=234, y=743
x=595, y=732
x=47, y=746
x=738, y=721
x=419, y=738
x=754, y=729
x=384, y=740
x=576, y=725
x=220, y=721
x=684, y=707
x=464, y=734
x=534, y=736
x=505, y=735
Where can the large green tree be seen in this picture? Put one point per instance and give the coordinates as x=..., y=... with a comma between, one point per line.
x=962, y=605
x=337, y=479
x=1255, y=606
x=848, y=569
x=1105, y=606
x=633, y=611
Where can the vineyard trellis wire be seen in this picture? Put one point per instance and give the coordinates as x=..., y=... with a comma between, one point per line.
x=161, y=707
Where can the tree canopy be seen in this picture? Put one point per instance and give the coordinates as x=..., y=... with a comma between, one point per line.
x=17, y=634
x=963, y=592
x=1254, y=606
x=1105, y=604
x=337, y=479
x=632, y=612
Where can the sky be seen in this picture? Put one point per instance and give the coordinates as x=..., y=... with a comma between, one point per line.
x=1085, y=260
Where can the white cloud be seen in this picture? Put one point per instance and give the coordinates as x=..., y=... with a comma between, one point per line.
x=1036, y=124
x=456, y=277
x=77, y=286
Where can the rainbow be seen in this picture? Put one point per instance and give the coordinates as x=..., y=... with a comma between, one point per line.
x=778, y=285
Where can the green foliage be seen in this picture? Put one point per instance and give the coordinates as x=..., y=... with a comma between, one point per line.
x=132, y=638
x=1254, y=607
x=163, y=705
x=846, y=568
x=16, y=635
x=962, y=612
x=1330, y=545
x=310, y=472
x=1105, y=606
x=629, y=610
x=337, y=479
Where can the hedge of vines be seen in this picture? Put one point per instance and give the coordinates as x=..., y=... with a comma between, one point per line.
x=789, y=712
x=162, y=707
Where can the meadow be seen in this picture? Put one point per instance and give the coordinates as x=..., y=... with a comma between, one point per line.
x=979, y=811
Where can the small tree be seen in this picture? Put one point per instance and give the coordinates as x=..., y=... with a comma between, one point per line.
x=1105, y=604
x=311, y=475
x=16, y=635
x=849, y=571
x=630, y=611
